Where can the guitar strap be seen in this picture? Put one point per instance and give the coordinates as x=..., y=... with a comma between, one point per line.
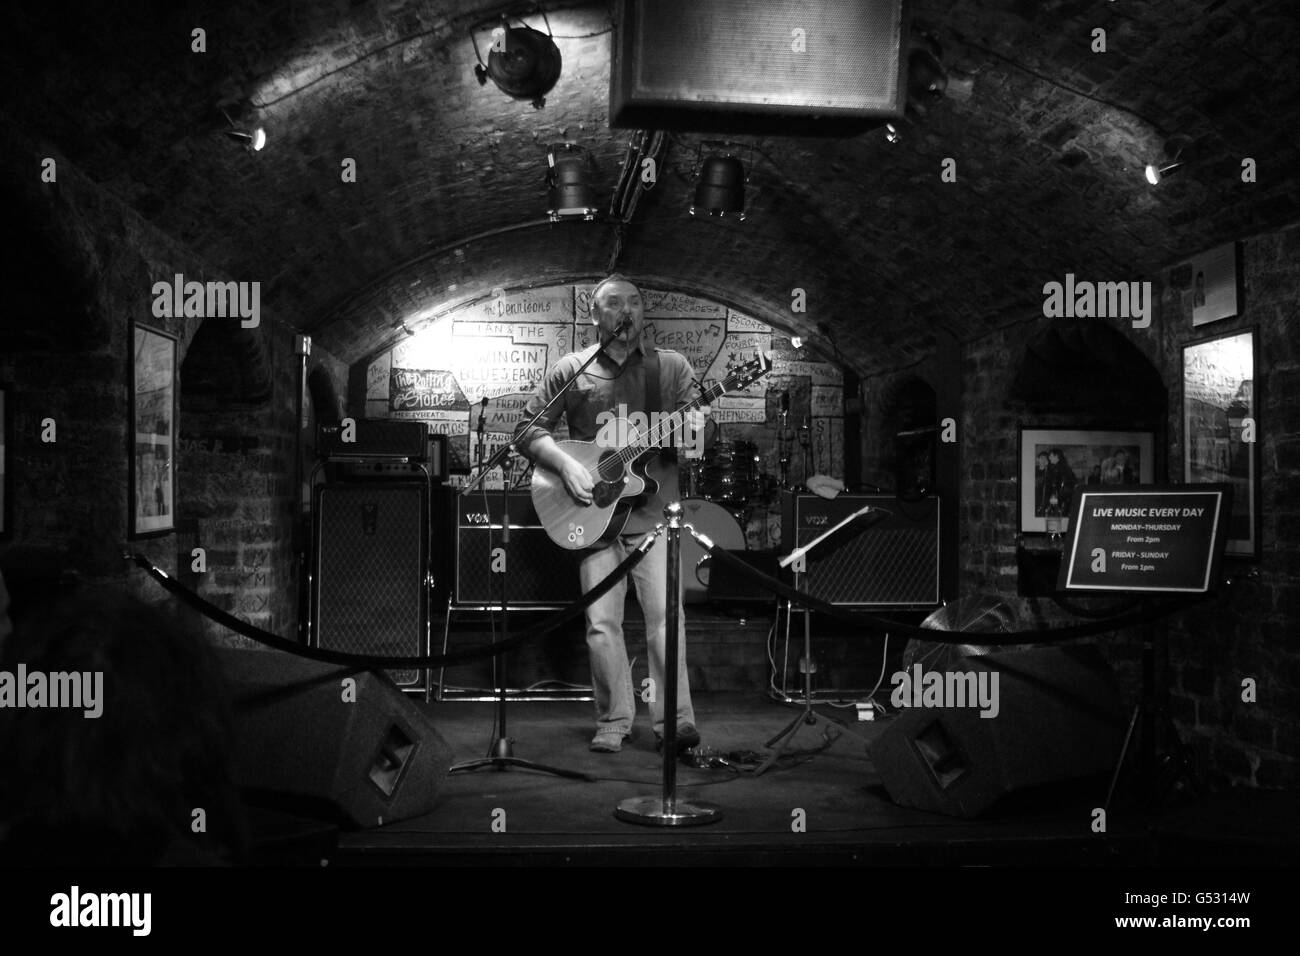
x=653, y=400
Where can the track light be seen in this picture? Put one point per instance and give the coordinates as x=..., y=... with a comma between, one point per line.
x=720, y=184
x=569, y=194
x=524, y=63
x=1155, y=172
x=253, y=139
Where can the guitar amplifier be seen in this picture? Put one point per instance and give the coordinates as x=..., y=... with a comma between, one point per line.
x=538, y=571
x=889, y=562
x=375, y=438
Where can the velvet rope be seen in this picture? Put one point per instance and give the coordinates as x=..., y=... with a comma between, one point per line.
x=365, y=661
x=1042, y=635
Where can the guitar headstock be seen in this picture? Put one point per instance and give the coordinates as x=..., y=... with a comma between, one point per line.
x=744, y=375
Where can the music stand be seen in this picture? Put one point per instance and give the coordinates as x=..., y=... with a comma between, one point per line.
x=807, y=715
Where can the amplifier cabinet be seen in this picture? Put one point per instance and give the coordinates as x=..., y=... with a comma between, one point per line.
x=538, y=571
x=370, y=571
x=891, y=561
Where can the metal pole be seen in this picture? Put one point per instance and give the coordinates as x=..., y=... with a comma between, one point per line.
x=673, y=512
x=666, y=810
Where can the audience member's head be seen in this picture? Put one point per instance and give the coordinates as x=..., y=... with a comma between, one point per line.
x=146, y=781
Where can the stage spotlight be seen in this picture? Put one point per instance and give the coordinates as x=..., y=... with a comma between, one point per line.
x=720, y=189
x=524, y=63
x=254, y=139
x=1155, y=172
x=569, y=194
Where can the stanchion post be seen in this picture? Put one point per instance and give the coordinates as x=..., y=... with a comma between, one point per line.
x=673, y=515
x=666, y=810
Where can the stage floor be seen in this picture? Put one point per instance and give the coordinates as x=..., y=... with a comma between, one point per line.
x=822, y=808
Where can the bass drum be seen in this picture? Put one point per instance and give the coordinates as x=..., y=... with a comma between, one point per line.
x=717, y=522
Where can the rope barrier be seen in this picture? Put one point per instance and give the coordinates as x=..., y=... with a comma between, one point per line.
x=365, y=661
x=1042, y=635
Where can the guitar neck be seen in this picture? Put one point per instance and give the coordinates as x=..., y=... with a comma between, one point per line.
x=670, y=424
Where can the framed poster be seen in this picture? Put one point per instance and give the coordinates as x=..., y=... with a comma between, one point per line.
x=1057, y=462
x=1220, y=424
x=152, y=485
x=1214, y=285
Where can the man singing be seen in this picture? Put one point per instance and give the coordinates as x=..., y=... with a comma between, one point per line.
x=612, y=387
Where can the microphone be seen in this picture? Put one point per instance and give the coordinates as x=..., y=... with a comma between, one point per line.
x=482, y=415
x=785, y=402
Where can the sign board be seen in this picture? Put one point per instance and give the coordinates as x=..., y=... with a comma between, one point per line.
x=1146, y=539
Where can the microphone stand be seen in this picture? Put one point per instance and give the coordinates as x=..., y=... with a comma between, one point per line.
x=502, y=747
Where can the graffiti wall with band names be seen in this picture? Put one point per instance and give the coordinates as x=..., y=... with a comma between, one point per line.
x=501, y=347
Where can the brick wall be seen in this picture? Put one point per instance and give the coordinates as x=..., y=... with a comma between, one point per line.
x=1248, y=629
x=69, y=362
x=1251, y=632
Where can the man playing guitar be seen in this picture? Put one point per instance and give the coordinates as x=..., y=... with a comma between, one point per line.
x=613, y=387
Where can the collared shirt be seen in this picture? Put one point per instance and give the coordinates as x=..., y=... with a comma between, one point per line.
x=615, y=390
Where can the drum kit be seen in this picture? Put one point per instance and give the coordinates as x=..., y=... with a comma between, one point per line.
x=722, y=492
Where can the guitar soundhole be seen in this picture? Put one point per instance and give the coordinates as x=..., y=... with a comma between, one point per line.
x=605, y=493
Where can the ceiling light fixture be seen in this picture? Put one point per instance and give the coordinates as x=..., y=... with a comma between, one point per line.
x=524, y=63
x=569, y=195
x=254, y=139
x=1174, y=147
x=720, y=182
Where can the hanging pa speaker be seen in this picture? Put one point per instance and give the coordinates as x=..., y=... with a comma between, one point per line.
x=782, y=66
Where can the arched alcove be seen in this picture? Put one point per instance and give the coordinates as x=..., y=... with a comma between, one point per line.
x=909, y=429
x=1085, y=368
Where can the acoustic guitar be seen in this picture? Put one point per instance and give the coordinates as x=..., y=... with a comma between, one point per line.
x=619, y=475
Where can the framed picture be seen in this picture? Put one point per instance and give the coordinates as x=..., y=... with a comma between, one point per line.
x=152, y=505
x=1214, y=285
x=1054, y=462
x=1220, y=425
x=6, y=501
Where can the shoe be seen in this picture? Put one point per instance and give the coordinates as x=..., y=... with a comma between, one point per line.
x=607, y=742
x=687, y=737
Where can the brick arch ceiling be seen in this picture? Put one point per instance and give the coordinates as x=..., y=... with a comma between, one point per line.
x=1049, y=140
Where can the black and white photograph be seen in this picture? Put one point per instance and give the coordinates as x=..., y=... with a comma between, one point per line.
x=591, y=442
x=153, y=417
x=1055, y=463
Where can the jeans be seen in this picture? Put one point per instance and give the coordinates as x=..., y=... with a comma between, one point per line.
x=610, y=675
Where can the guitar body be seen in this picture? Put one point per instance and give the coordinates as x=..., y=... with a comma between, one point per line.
x=618, y=486
x=575, y=526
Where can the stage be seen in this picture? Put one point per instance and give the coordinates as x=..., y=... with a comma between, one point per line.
x=518, y=817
